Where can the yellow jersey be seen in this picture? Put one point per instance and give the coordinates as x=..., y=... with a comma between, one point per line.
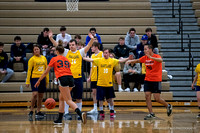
x=75, y=58
x=105, y=71
x=36, y=67
x=197, y=70
x=94, y=67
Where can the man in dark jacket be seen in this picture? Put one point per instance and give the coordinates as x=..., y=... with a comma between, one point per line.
x=140, y=46
x=152, y=40
x=3, y=64
x=121, y=50
x=18, y=53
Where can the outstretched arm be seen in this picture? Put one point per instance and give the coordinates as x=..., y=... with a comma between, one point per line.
x=88, y=59
x=156, y=59
x=133, y=61
x=123, y=60
x=51, y=39
x=43, y=75
x=90, y=43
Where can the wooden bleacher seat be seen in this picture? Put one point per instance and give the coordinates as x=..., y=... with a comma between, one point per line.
x=15, y=96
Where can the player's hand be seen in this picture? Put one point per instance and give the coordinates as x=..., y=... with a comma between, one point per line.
x=128, y=62
x=27, y=85
x=148, y=55
x=88, y=79
x=90, y=35
x=37, y=84
x=192, y=86
x=50, y=34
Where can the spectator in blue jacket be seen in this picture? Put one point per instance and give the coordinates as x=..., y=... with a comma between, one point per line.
x=18, y=53
x=3, y=65
x=140, y=46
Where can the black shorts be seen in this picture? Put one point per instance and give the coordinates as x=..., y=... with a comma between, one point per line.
x=66, y=81
x=197, y=88
x=77, y=90
x=93, y=85
x=41, y=88
x=103, y=92
x=153, y=87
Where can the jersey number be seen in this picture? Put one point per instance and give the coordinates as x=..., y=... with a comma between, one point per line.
x=40, y=68
x=73, y=61
x=105, y=70
x=61, y=64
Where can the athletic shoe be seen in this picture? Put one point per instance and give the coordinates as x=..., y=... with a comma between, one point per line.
x=142, y=88
x=84, y=118
x=58, y=121
x=198, y=116
x=102, y=115
x=30, y=114
x=67, y=116
x=169, y=109
x=135, y=90
x=149, y=116
x=112, y=113
x=93, y=111
x=127, y=90
x=39, y=115
x=120, y=90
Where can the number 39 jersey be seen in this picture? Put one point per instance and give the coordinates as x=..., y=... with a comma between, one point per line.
x=61, y=66
x=105, y=71
x=36, y=67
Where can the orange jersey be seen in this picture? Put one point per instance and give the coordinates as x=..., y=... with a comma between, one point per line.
x=61, y=66
x=153, y=68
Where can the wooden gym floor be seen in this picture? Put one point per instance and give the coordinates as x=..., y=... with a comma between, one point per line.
x=127, y=120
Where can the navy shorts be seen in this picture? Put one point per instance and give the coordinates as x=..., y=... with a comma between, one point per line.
x=41, y=88
x=77, y=90
x=197, y=88
x=66, y=81
x=105, y=92
x=153, y=87
x=93, y=85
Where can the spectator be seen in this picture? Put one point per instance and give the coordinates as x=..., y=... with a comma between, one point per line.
x=3, y=64
x=152, y=40
x=63, y=36
x=121, y=50
x=18, y=53
x=132, y=39
x=77, y=37
x=44, y=41
x=140, y=46
x=131, y=73
x=52, y=53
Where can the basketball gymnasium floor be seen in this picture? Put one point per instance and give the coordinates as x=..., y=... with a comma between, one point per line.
x=127, y=120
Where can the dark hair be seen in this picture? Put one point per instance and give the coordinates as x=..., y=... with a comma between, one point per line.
x=46, y=29
x=96, y=44
x=77, y=36
x=132, y=29
x=94, y=29
x=1, y=44
x=121, y=38
x=36, y=45
x=148, y=30
x=60, y=42
x=63, y=28
x=60, y=49
x=106, y=49
x=149, y=46
x=73, y=40
x=17, y=38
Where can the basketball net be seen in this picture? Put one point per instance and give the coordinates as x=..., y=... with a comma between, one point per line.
x=72, y=5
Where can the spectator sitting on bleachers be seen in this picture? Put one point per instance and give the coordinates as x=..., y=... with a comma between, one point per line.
x=63, y=36
x=18, y=53
x=77, y=37
x=152, y=39
x=132, y=39
x=131, y=73
x=121, y=50
x=3, y=64
x=44, y=41
x=52, y=53
x=140, y=46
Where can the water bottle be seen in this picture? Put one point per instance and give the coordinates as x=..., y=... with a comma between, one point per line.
x=21, y=89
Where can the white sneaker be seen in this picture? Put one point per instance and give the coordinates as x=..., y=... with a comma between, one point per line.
x=127, y=90
x=170, y=76
x=120, y=90
x=142, y=88
x=93, y=111
x=55, y=81
x=24, y=72
x=135, y=90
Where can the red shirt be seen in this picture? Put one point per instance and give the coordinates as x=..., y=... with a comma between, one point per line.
x=61, y=66
x=153, y=68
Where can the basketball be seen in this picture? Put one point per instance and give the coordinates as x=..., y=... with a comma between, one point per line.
x=50, y=103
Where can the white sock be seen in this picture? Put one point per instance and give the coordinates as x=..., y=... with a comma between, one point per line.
x=79, y=105
x=66, y=108
x=120, y=86
x=101, y=108
x=95, y=106
x=111, y=107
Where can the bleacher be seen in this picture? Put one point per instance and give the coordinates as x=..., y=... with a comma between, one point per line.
x=112, y=19
x=196, y=7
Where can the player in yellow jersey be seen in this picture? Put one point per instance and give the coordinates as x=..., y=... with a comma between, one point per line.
x=197, y=87
x=93, y=75
x=36, y=66
x=75, y=58
x=105, y=82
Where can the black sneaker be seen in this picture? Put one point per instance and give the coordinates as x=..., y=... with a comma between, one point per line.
x=198, y=116
x=84, y=118
x=169, y=109
x=58, y=121
x=102, y=115
x=150, y=116
x=39, y=115
x=67, y=116
x=30, y=114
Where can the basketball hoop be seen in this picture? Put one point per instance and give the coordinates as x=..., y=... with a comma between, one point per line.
x=72, y=5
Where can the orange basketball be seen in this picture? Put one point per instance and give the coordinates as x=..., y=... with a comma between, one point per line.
x=50, y=103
